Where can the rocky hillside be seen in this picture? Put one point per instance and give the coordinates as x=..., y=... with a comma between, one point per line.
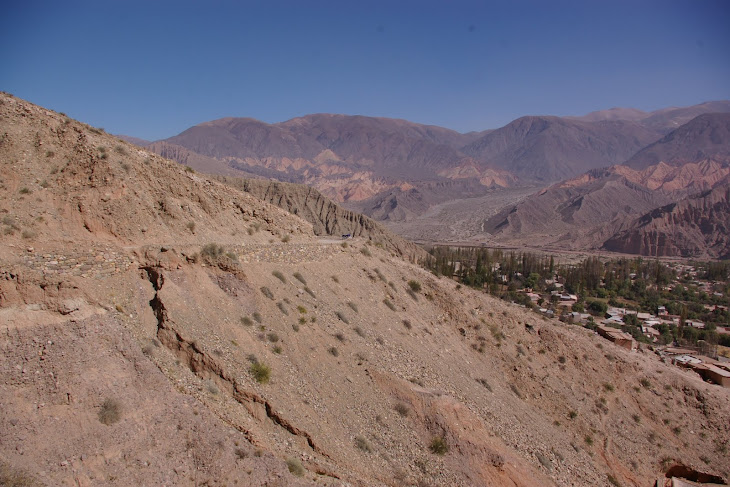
x=698, y=226
x=326, y=217
x=158, y=327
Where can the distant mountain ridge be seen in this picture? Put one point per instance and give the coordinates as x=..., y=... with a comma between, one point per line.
x=603, y=205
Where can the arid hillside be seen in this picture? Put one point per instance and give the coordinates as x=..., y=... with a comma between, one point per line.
x=158, y=327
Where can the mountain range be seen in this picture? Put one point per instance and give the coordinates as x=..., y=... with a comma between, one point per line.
x=609, y=166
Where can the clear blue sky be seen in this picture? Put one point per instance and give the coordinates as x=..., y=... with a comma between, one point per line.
x=152, y=69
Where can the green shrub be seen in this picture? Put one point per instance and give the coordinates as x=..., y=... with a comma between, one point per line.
x=363, y=444
x=438, y=445
x=260, y=372
x=572, y=414
x=414, y=285
x=301, y=309
x=295, y=467
x=110, y=412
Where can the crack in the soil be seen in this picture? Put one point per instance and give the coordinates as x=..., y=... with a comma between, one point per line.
x=203, y=365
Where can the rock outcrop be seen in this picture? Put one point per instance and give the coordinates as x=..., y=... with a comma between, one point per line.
x=698, y=226
x=326, y=217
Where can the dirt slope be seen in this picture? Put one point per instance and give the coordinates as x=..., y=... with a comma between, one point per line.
x=128, y=347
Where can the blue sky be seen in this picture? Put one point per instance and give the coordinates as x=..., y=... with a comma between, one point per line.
x=152, y=69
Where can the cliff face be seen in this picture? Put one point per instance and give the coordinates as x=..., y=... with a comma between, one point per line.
x=326, y=217
x=698, y=226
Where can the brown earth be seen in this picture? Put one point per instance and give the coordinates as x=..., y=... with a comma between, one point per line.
x=128, y=345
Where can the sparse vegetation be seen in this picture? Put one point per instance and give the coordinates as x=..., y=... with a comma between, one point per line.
x=645, y=383
x=110, y=412
x=272, y=337
x=366, y=252
x=267, y=292
x=414, y=286
x=257, y=317
x=301, y=309
x=295, y=467
x=260, y=372
x=246, y=321
x=589, y=440
x=282, y=308
x=608, y=387
x=402, y=409
x=438, y=446
x=363, y=444
x=573, y=414
x=25, y=190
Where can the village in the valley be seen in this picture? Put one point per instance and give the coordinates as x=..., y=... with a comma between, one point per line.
x=677, y=310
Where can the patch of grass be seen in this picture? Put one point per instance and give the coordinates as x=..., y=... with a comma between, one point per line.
x=363, y=444
x=438, y=445
x=267, y=292
x=260, y=372
x=300, y=278
x=402, y=409
x=389, y=304
x=301, y=309
x=110, y=412
x=295, y=467
x=353, y=306
x=414, y=285
x=279, y=276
